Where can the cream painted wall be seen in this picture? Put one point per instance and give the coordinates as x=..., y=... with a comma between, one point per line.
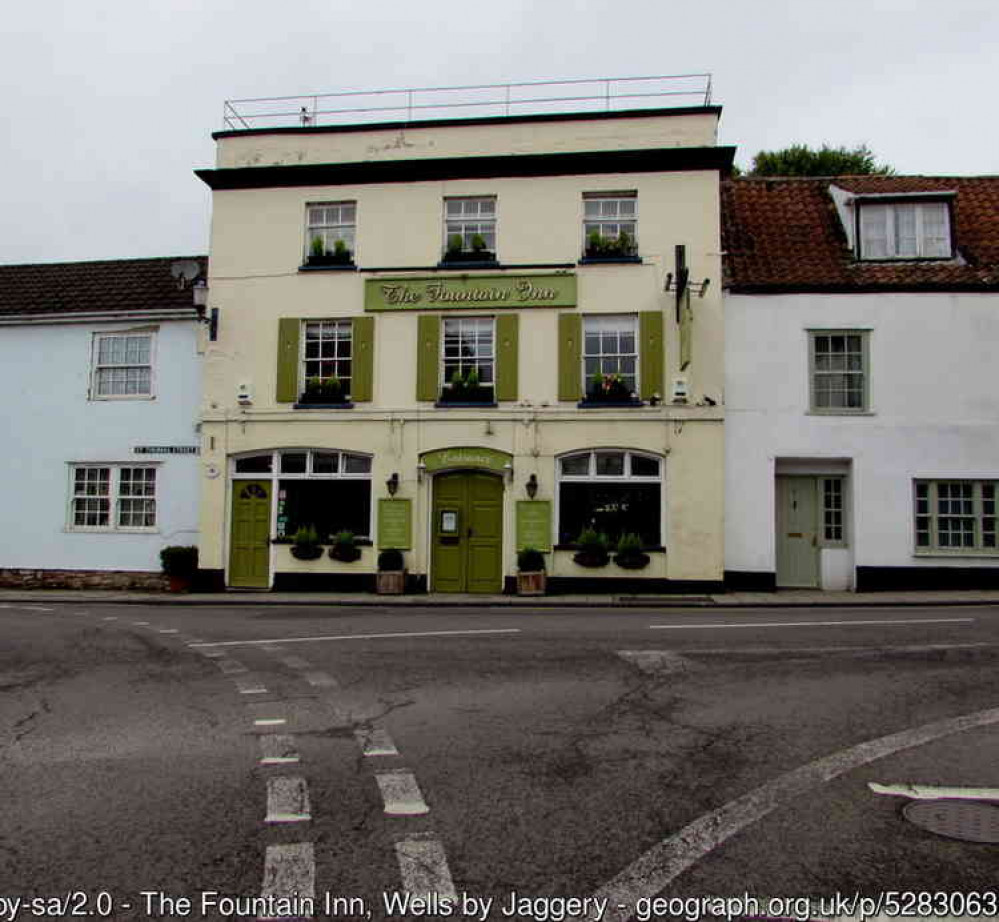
x=418, y=142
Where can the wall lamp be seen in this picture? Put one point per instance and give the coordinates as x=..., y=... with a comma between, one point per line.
x=532, y=486
x=392, y=484
x=210, y=319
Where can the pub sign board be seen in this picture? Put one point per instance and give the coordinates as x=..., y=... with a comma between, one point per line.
x=470, y=292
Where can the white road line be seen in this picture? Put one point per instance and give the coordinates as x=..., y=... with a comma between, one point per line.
x=659, y=866
x=375, y=741
x=278, y=750
x=401, y=793
x=289, y=873
x=933, y=792
x=248, y=687
x=423, y=867
x=269, y=722
x=294, y=662
x=287, y=800
x=256, y=643
x=321, y=680
x=837, y=648
x=36, y=608
x=698, y=627
x=231, y=667
x=657, y=662
x=110, y=618
x=169, y=630
x=136, y=623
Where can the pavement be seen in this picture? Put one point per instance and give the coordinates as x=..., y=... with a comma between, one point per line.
x=788, y=598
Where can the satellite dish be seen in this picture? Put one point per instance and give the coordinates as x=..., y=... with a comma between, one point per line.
x=185, y=270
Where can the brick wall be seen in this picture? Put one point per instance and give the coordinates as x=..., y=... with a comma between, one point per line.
x=82, y=579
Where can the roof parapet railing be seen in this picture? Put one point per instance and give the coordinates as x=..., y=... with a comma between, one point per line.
x=603, y=94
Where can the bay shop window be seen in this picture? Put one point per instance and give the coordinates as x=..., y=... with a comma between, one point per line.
x=326, y=489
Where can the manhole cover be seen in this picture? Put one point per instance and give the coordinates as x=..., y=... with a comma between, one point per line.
x=956, y=819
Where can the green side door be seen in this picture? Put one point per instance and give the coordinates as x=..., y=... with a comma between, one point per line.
x=249, y=545
x=468, y=533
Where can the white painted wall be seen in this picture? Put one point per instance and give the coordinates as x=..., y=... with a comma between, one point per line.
x=934, y=414
x=49, y=422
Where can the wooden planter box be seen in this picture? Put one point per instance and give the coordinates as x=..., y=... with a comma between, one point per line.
x=390, y=582
x=531, y=583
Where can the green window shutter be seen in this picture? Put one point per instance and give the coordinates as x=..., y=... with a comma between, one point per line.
x=289, y=331
x=651, y=357
x=428, y=336
x=363, y=358
x=570, y=356
x=507, y=367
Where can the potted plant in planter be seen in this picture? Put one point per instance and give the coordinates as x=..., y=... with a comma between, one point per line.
x=609, y=388
x=593, y=549
x=305, y=545
x=530, y=572
x=344, y=547
x=629, y=554
x=180, y=564
x=599, y=247
x=477, y=252
x=391, y=577
x=320, y=256
x=331, y=390
x=467, y=389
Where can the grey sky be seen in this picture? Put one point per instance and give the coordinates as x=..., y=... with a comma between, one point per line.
x=109, y=106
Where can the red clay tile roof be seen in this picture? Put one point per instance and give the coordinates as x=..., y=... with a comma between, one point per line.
x=784, y=235
x=109, y=285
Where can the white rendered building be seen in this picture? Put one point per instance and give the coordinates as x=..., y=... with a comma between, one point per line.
x=101, y=377
x=862, y=417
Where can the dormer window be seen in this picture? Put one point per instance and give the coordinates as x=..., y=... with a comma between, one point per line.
x=904, y=230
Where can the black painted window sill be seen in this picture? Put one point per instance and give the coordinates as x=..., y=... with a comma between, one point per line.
x=610, y=404
x=609, y=260
x=464, y=404
x=651, y=549
x=331, y=267
x=360, y=542
x=488, y=262
x=309, y=405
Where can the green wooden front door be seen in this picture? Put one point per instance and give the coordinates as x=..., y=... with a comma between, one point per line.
x=249, y=546
x=467, y=533
x=797, y=532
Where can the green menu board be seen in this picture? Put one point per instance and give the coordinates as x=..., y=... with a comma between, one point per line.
x=395, y=519
x=534, y=524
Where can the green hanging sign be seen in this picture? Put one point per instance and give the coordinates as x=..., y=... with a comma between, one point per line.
x=470, y=292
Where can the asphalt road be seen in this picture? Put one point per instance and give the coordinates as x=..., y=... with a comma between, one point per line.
x=621, y=755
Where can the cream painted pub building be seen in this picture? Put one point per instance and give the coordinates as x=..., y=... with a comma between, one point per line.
x=461, y=337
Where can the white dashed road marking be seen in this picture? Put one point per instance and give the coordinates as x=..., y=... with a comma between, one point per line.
x=287, y=801
x=278, y=750
x=269, y=722
x=295, y=662
x=423, y=867
x=231, y=667
x=741, y=624
x=273, y=640
x=375, y=741
x=659, y=866
x=289, y=871
x=169, y=630
x=248, y=687
x=36, y=608
x=139, y=623
x=321, y=680
x=110, y=618
x=401, y=793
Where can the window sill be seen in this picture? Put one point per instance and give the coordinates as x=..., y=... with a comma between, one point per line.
x=346, y=405
x=331, y=267
x=965, y=553
x=652, y=549
x=610, y=260
x=488, y=263
x=877, y=260
x=360, y=542
x=464, y=405
x=609, y=404
x=840, y=412
x=99, y=530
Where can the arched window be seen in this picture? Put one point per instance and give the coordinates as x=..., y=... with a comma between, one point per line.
x=329, y=490
x=614, y=492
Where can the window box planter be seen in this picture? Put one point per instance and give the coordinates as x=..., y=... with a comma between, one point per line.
x=345, y=553
x=345, y=260
x=591, y=559
x=596, y=259
x=306, y=551
x=588, y=404
x=632, y=561
x=323, y=400
x=468, y=259
x=467, y=396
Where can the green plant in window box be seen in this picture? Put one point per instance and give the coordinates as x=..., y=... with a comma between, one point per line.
x=180, y=566
x=479, y=244
x=629, y=554
x=320, y=256
x=331, y=390
x=391, y=577
x=594, y=549
x=477, y=251
x=610, y=248
x=454, y=245
x=609, y=388
x=344, y=547
x=306, y=544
